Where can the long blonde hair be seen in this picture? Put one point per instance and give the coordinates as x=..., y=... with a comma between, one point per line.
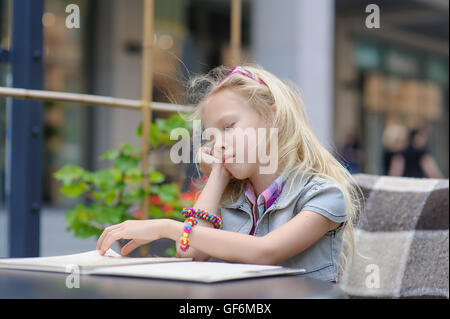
x=299, y=150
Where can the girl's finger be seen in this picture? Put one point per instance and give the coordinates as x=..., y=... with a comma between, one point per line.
x=105, y=232
x=217, y=153
x=204, y=151
x=129, y=247
x=209, y=159
x=111, y=238
x=207, y=147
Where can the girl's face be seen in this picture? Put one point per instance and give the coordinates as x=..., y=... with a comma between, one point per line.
x=228, y=111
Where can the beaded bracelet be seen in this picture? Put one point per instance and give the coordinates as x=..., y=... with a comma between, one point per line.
x=203, y=214
x=184, y=239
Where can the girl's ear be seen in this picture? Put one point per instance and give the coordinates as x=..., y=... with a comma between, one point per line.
x=273, y=107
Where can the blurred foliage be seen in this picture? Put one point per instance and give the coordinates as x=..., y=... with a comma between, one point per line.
x=115, y=193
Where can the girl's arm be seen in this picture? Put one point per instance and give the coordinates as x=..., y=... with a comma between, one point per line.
x=290, y=239
x=280, y=244
x=209, y=199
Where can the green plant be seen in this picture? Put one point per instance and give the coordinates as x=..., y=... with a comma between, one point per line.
x=115, y=193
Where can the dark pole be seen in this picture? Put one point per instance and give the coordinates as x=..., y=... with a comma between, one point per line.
x=24, y=131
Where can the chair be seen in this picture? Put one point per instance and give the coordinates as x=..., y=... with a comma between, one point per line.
x=401, y=239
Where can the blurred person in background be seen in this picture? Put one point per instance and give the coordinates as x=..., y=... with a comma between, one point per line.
x=395, y=140
x=350, y=153
x=415, y=160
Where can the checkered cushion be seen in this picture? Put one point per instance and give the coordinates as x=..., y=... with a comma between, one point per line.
x=401, y=239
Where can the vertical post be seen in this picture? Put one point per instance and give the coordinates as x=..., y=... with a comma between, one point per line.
x=146, y=97
x=315, y=69
x=24, y=132
x=300, y=48
x=236, y=18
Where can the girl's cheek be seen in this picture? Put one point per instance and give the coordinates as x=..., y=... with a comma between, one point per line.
x=232, y=142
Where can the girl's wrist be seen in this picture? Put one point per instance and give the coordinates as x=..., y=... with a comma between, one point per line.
x=172, y=229
x=220, y=175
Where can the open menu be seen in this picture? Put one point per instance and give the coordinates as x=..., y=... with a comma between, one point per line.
x=199, y=271
x=174, y=268
x=87, y=262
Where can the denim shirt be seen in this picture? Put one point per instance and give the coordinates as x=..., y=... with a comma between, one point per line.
x=309, y=192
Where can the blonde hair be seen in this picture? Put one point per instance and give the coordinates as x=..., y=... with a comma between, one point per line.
x=299, y=151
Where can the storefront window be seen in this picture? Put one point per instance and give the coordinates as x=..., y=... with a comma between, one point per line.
x=401, y=86
x=66, y=125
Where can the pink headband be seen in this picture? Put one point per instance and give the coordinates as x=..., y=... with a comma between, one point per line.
x=239, y=69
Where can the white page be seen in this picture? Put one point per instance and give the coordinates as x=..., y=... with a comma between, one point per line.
x=85, y=261
x=197, y=271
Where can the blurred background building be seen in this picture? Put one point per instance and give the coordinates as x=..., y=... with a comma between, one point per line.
x=356, y=81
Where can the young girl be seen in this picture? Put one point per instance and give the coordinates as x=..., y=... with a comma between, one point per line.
x=297, y=215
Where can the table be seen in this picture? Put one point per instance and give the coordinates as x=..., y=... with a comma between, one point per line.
x=40, y=284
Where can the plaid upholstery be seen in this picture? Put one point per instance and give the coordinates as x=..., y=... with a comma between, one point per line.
x=401, y=238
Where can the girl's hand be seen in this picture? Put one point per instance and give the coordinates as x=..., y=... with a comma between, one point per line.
x=206, y=159
x=139, y=231
x=212, y=159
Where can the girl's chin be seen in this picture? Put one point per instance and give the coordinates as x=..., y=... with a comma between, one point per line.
x=235, y=171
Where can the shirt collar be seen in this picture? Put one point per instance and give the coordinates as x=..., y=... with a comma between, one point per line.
x=285, y=198
x=268, y=196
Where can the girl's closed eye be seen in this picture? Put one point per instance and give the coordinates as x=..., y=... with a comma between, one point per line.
x=229, y=126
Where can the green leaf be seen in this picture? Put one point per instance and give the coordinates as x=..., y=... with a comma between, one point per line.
x=68, y=173
x=86, y=231
x=125, y=163
x=98, y=195
x=166, y=198
x=155, y=136
x=71, y=215
x=79, y=220
x=161, y=124
x=74, y=190
x=164, y=138
x=172, y=189
x=129, y=149
x=107, y=178
x=155, y=212
x=87, y=177
x=156, y=177
x=134, y=196
x=171, y=251
x=110, y=197
x=138, y=132
x=154, y=189
x=103, y=214
x=133, y=176
x=177, y=121
x=110, y=155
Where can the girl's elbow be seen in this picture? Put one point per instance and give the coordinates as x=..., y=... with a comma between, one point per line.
x=266, y=255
